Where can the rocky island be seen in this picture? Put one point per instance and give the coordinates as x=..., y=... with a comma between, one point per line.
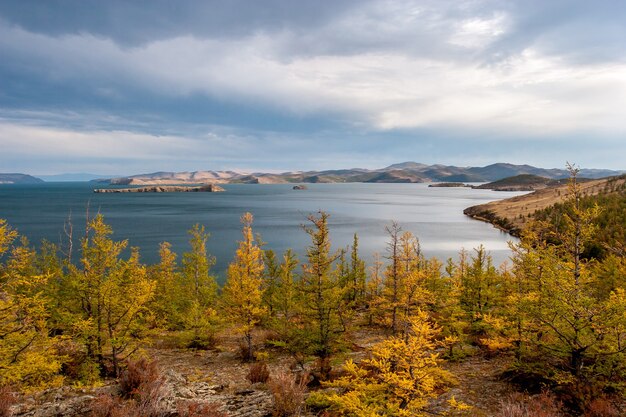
x=209, y=188
x=449, y=185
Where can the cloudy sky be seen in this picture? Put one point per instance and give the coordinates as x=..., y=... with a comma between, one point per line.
x=125, y=87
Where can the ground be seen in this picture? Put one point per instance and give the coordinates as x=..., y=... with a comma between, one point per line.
x=219, y=376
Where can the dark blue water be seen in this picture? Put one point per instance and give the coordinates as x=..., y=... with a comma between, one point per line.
x=435, y=215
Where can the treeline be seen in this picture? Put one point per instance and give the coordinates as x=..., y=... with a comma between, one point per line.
x=559, y=315
x=610, y=219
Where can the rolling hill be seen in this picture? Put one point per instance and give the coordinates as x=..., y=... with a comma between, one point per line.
x=409, y=172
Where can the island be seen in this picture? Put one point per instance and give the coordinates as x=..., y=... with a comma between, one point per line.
x=209, y=188
x=450, y=185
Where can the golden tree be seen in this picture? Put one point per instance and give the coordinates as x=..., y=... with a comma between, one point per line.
x=196, y=295
x=400, y=377
x=107, y=299
x=242, y=293
x=27, y=355
x=323, y=296
x=578, y=332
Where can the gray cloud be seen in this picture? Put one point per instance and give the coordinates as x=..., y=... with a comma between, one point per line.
x=273, y=78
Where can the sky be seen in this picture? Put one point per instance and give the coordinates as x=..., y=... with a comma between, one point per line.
x=126, y=87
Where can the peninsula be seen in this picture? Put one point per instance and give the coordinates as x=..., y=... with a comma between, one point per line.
x=512, y=214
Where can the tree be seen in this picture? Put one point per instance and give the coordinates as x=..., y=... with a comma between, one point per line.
x=480, y=286
x=198, y=284
x=108, y=299
x=404, y=282
x=285, y=299
x=198, y=292
x=27, y=354
x=242, y=293
x=393, y=281
x=400, y=377
x=322, y=295
x=167, y=303
x=579, y=335
x=357, y=276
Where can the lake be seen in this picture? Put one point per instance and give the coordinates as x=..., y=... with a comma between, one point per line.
x=434, y=215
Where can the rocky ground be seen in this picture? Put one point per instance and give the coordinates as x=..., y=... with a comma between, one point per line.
x=219, y=376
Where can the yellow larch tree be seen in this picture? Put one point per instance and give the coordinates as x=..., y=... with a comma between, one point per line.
x=242, y=293
x=27, y=355
x=398, y=379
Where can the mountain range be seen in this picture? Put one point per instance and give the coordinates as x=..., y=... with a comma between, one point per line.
x=406, y=172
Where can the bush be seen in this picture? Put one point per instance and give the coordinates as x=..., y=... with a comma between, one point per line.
x=142, y=381
x=541, y=405
x=109, y=406
x=602, y=407
x=198, y=409
x=258, y=373
x=7, y=399
x=74, y=357
x=138, y=375
x=197, y=340
x=288, y=394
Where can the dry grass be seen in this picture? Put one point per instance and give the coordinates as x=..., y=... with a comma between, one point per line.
x=541, y=405
x=7, y=399
x=602, y=407
x=198, y=409
x=259, y=372
x=139, y=377
x=288, y=394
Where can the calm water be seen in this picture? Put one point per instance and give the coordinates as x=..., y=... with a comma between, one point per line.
x=435, y=215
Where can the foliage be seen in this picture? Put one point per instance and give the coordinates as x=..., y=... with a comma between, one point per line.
x=322, y=296
x=610, y=219
x=27, y=354
x=579, y=336
x=402, y=374
x=107, y=300
x=196, y=295
x=242, y=293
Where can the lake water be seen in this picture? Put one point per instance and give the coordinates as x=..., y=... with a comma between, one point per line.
x=434, y=215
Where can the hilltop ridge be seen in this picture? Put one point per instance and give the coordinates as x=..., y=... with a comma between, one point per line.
x=407, y=172
x=14, y=178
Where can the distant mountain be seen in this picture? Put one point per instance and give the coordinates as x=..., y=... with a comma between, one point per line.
x=412, y=172
x=19, y=179
x=79, y=176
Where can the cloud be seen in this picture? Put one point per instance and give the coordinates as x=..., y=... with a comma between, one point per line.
x=380, y=90
x=281, y=75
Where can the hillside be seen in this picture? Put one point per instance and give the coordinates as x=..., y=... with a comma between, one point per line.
x=513, y=214
x=523, y=182
x=409, y=172
x=19, y=179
